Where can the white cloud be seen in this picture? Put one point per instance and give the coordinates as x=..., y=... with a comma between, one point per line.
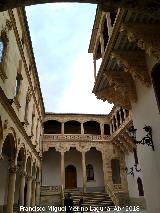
x=78, y=96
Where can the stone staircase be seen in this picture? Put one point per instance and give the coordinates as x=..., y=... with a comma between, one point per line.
x=93, y=199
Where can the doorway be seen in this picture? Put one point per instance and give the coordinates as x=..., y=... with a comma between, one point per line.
x=70, y=177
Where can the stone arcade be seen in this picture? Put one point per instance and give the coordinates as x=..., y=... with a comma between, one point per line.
x=40, y=151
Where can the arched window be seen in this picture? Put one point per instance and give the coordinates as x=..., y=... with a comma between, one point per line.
x=115, y=165
x=52, y=127
x=72, y=127
x=18, y=84
x=2, y=46
x=140, y=187
x=90, y=172
x=92, y=127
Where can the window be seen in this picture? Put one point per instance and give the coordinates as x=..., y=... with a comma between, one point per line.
x=140, y=187
x=90, y=172
x=18, y=83
x=156, y=82
x=135, y=156
x=1, y=50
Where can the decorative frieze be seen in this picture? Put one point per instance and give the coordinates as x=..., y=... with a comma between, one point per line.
x=75, y=137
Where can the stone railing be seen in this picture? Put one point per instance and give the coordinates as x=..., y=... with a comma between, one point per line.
x=122, y=127
x=74, y=137
x=110, y=191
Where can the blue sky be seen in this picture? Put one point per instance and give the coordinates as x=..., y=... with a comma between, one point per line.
x=60, y=36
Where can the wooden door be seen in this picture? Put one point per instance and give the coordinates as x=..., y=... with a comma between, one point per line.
x=70, y=177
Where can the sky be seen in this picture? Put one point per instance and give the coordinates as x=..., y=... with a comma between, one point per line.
x=60, y=34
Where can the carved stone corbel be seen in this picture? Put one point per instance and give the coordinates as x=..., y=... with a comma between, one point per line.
x=123, y=82
x=133, y=62
x=146, y=37
x=114, y=95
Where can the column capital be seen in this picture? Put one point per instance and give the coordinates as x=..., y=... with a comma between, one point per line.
x=22, y=173
x=29, y=178
x=13, y=169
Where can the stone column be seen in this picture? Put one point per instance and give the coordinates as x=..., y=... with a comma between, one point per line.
x=33, y=201
x=110, y=128
x=116, y=121
x=102, y=129
x=102, y=43
x=95, y=71
x=120, y=115
x=37, y=192
x=62, y=169
x=29, y=190
x=62, y=128
x=84, y=171
x=22, y=186
x=124, y=111
x=82, y=129
x=11, y=188
x=113, y=125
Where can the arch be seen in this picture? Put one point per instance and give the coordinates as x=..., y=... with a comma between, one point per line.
x=140, y=186
x=70, y=177
x=89, y=172
x=29, y=166
x=9, y=147
x=92, y=127
x=52, y=127
x=156, y=82
x=115, y=165
x=21, y=158
x=72, y=127
x=34, y=170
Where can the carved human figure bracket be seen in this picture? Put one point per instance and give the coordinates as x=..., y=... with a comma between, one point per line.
x=114, y=95
x=146, y=37
x=123, y=82
x=133, y=62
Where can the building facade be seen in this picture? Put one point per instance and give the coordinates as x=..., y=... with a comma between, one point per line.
x=21, y=115
x=127, y=44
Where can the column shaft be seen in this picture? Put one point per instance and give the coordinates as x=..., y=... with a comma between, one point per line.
x=84, y=171
x=29, y=190
x=33, y=202
x=62, y=128
x=82, y=129
x=11, y=189
x=102, y=129
x=37, y=193
x=62, y=169
x=21, y=192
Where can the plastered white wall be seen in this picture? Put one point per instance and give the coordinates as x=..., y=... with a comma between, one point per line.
x=145, y=112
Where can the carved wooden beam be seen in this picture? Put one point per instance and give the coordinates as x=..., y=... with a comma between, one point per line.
x=133, y=62
x=146, y=37
x=123, y=81
x=114, y=95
